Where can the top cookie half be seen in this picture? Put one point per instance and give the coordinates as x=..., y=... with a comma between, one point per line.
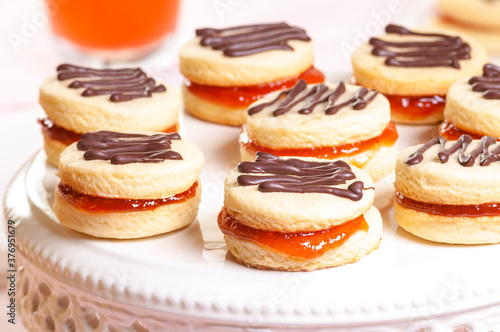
x=416, y=63
x=291, y=195
x=473, y=103
x=142, y=165
x=317, y=115
x=85, y=99
x=463, y=172
x=246, y=55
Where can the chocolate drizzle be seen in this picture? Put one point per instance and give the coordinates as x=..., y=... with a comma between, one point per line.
x=299, y=176
x=439, y=51
x=250, y=39
x=316, y=95
x=122, y=148
x=489, y=83
x=464, y=159
x=122, y=84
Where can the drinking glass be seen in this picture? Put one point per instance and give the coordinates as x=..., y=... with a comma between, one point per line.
x=113, y=29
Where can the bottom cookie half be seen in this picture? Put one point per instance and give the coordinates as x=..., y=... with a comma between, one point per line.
x=127, y=225
x=448, y=229
x=206, y=110
x=354, y=248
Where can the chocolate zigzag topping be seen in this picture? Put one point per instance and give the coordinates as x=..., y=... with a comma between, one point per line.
x=314, y=96
x=122, y=84
x=464, y=159
x=489, y=83
x=250, y=39
x=122, y=148
x=299, y=176
x=439, y=51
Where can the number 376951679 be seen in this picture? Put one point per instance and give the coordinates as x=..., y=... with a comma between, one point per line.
x=11, y=244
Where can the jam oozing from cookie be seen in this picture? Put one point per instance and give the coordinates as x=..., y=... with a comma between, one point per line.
x=68, y=137
x=471, y=211
x=250, y=39
x=106, y=205
x=437, y=50
x=243, y=96
x=121, y=84
x=314, y=96
x=387, y=138
x=304, y=245
x=489, y=83
x=417, y=107
x=273, y=174
x=452, y=133
x=122, y=148
x=465, y=159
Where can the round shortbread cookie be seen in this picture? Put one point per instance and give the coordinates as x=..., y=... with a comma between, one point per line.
x=203, y=65
x=67, y=108
x=208, y=111
x=127, y=225
x=450, y=183
x=438, y=228
x=488, y=37
x=469, y=111
x=352, y=250
x=371, y=71
x=317, y=129
x=133, y=180
x=289, y=212
x=377, y=162
x=481, y=13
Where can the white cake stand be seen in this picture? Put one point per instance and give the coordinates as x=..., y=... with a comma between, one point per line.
x=185, y=281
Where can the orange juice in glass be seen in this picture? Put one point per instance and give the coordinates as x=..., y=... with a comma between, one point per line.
x=114, y=29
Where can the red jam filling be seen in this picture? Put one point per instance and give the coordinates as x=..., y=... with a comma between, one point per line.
x=68, y=137
x=387, y=138
x=416, y=108
x=57, y=133
x=471, y=211
x=107, y=205
x=305, y=245
x=243, y=96
x=452, y=133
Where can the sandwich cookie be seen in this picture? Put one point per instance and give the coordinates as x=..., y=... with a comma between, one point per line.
x=448, y=191
x=80, y=100
x=128, y=185
x=476, y=18
x=414, y=70
x=298, y=215
x=473, y=106
x=228, y=69
x=326, y=121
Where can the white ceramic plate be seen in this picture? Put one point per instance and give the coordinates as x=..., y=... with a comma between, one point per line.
x=407, y=281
